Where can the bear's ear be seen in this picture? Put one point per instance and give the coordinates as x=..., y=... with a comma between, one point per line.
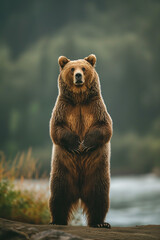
x=91, y=59
x=63, y=61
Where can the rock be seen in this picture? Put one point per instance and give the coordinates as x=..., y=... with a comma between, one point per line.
x=16, y=230
x=54, y=234
x=12, y=234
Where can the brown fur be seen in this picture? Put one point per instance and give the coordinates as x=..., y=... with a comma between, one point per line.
x=81, y=130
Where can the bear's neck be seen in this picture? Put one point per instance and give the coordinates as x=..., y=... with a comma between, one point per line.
x=81, y=97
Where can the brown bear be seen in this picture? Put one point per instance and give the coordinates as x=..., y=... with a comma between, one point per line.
x=81, y=129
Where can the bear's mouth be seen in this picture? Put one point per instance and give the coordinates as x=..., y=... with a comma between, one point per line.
x=79, y=83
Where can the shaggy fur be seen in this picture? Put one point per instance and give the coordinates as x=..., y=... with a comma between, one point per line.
x=81, y=129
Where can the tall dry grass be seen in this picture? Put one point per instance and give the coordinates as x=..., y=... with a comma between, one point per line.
x=23, y=165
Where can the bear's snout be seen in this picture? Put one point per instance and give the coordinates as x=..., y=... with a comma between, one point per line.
x=78, y=76
x=78, y=79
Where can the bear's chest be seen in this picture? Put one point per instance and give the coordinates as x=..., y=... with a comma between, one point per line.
x=79, y=120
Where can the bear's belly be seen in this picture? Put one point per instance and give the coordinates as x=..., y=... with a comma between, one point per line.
x=80, y=122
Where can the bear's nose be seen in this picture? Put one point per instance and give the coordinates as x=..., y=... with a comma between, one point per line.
x=78, y=76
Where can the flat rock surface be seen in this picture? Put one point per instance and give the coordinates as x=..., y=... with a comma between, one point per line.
x=18, y=230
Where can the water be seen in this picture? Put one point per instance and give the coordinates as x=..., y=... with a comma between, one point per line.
x=134, y=200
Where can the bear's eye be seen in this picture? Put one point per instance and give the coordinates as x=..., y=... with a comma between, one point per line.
x=72, y=70
x=83, y=69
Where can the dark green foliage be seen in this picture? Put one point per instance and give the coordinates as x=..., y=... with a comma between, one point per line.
x=125, y=37
x=23, y=206
x=134, y=154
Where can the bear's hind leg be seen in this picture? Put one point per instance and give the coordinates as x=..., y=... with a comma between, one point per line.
x=61, y=200
x=60, y=210
x=96, y=205
x=96, y=213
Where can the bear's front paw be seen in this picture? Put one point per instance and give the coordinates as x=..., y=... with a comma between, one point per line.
x=84, y=147
x=71, y=143
x=75, y=147
x=77, y=151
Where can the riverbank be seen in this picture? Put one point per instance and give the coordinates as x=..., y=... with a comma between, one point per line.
x=17, y=231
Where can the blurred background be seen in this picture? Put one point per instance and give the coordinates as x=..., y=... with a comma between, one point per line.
x=125, y=37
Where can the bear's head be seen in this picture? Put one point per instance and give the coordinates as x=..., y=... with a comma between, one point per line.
x=78, y=79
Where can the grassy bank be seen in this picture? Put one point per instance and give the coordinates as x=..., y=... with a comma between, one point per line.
x=21, y=205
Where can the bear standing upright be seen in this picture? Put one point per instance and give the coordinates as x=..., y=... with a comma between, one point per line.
x=81, y=129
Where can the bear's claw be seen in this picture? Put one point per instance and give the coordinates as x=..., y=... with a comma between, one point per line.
x=102, y=225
